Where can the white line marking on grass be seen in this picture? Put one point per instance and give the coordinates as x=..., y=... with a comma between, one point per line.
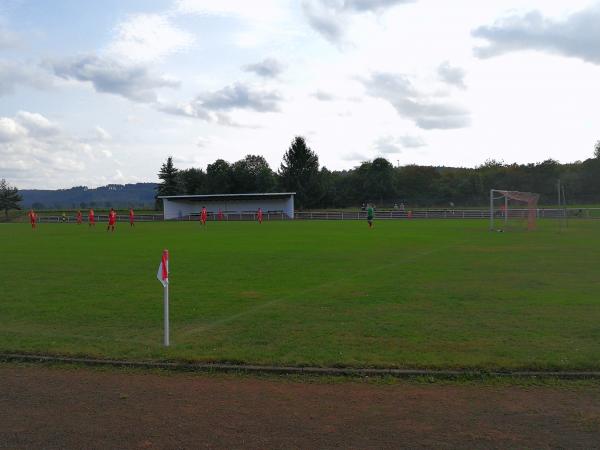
x=209, y=326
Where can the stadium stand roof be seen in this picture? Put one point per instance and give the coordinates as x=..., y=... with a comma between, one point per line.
x=255, y=196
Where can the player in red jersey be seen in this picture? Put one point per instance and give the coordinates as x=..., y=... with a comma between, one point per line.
x=220, y=215
x=259, y=215
x=203, y=215
x=32, y=218
x=79, y=217
x=91, y=218
x=131, y=217
x=112, y=219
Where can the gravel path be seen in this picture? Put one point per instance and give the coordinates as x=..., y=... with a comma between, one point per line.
x=56, y=408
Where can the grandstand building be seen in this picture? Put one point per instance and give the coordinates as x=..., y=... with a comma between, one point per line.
x=232, y=206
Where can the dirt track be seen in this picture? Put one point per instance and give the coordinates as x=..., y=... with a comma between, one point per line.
x=50, y=408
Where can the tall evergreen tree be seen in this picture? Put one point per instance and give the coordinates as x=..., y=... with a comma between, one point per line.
x=168, y=175
x=9, y=197
x=299, y=173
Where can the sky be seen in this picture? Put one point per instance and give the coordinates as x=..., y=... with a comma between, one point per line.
x=93, y=93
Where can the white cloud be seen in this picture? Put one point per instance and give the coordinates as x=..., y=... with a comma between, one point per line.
x=148, y=37
x=102, y=134
x=258, y=10
x=409, y=141
x=387, y=145
x=452, y=75
x=241, y=96
x=133, y=81
x=26, y=125
x=394, y=145
x=355, y=156
x=331, y=18
x=576, y=35
x=326, y=21
x=267, y=68
x=213, y=106
x=36, y=124
x=11, y=130
x=365, y=5
x=203, y=142
x=34, y=148
x=15, y=73
x=323, y=96
x=427, y=111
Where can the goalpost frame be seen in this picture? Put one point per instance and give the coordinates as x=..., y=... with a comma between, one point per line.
x=527, y=197
x=492, y=208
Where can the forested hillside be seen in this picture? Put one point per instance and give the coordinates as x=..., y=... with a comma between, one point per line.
x=380, y=182
x=113, y=195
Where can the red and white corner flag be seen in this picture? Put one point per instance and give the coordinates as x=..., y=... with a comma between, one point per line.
x=163, y=269
x=163, y=277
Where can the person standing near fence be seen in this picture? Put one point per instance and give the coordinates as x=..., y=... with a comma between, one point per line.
x=220, y=215
x=32, y=218
x=203, y=215
x=91, y=219
x=112, y=219
x=79, y=217
x=131, y=218
x=370, y=215
x=259, y=215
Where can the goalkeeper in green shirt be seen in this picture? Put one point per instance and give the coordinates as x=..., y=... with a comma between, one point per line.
x=370, y=215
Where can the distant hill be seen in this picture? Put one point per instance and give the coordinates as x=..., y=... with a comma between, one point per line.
x=113, y=195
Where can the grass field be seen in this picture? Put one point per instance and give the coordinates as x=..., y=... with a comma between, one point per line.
x=438, y=294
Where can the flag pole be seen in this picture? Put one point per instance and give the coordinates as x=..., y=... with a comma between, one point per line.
x=163, y=277
x=166, y=314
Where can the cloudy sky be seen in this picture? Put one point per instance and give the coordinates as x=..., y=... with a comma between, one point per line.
x=102, y=92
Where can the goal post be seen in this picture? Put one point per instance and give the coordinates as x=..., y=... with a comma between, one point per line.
x=527, y=201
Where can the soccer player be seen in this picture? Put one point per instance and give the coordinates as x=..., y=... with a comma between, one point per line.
x=91, y=218
x=79, y=217
x=203, y=215
x=131, y=217
x=220, y=215
x=370, y=215
x=112, y=219
x=259, y=215
x=32, y=218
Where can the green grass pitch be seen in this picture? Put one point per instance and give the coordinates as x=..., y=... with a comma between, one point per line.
x=410, y=294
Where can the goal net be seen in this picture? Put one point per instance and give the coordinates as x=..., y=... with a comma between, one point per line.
x=512, y=208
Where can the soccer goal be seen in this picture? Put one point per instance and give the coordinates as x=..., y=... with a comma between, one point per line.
x=508, y=208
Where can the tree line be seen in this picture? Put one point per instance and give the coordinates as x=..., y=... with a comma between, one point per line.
x=379, y=182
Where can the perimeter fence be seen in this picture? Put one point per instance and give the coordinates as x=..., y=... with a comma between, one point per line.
x=542, y=213
x=590, y=213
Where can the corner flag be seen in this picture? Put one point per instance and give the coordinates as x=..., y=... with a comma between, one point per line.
x=163, y=277
x=163, y=269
